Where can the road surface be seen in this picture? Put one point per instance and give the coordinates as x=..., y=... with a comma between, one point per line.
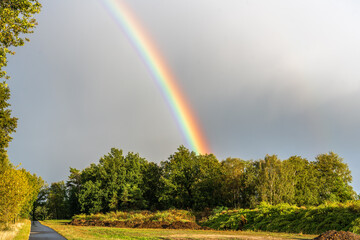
x=41, y=232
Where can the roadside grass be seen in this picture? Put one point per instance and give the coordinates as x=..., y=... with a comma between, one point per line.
x=17, y=231
x=24, y=232
x=89, y=232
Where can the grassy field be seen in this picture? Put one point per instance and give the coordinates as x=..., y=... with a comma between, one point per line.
x=18, y=231
x=84, y=232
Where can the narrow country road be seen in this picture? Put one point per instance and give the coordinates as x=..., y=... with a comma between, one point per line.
x=41, y=232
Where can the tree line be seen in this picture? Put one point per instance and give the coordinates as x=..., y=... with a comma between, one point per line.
x=187, y=180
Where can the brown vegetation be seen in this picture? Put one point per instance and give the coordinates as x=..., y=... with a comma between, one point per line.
x=147, y=224
x=338, y=235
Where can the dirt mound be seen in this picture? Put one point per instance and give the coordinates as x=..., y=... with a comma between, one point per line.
x=337, y=235
x=123, y=224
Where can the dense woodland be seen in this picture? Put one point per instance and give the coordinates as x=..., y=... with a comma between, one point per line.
x=195, y=182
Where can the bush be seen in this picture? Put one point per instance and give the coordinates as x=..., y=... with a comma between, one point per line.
x=168, y=216
x=290, y=218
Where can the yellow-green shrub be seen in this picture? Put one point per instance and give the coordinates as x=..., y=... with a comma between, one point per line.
x=290, y=218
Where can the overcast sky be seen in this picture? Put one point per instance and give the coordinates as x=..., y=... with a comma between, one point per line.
x=263, y=77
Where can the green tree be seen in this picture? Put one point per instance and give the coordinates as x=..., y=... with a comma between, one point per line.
x=190, y=180
x=334, y=178
x=90, y=197
x=17, y=18
x=73, y=187
x=40, y=211
x=180, y=174
x=238, y=183
x=18, y=188
x=7, y=126
x=208, y=187
x=273, y=184
x=113, y=184
x=301, y=175
x=56, y=201
x=132, y=194
x=151, y=185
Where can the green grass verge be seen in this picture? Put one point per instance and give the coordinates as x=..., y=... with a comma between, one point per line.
x=89, y=232
x=289, y=218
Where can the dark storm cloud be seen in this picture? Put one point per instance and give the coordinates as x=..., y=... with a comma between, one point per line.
x=277, y=77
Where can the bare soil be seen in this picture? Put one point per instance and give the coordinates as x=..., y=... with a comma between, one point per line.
x=337, y=235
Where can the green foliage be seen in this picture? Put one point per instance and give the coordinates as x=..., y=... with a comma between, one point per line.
x=40, y=211
x=235, y=187
x=16, y=19
x=90, y=197
x=18, y=188
x=57, y=201
x=73, y=187
x=303, y=181
x=112, y=184
x=294, y=181
x=290, y=218
x=151, y=186
x=190, y=180
x=334, y=178
x=200, y=182
x=7, y=125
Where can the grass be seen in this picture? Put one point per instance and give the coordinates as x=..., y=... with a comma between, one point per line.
x=18, y=231
x=85, y=232
x=24, y=232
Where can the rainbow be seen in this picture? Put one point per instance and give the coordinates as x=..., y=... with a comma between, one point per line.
x=161, y=74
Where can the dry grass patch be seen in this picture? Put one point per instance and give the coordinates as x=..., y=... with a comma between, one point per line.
x=17, y=231
x=89, y=232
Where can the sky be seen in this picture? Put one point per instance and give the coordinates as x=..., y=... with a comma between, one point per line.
x=262, y=77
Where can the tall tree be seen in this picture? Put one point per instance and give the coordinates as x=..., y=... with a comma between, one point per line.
x=7, y=126
x=208, y=192
x=191, y=181
x=234, y=186
x=73, y=187
x=112, y=184
x=16, y=19
x=301, y=175
x=334, y=178
x=273, y=185
x=40, y=211
x=18, y=189
x=151, y=185
x=57, y=199
x=181, y=172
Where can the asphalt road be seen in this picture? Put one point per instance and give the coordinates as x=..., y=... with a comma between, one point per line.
x=41, y=232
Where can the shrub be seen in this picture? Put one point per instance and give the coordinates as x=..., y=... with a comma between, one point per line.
x=290, y=218
x=168, y=216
